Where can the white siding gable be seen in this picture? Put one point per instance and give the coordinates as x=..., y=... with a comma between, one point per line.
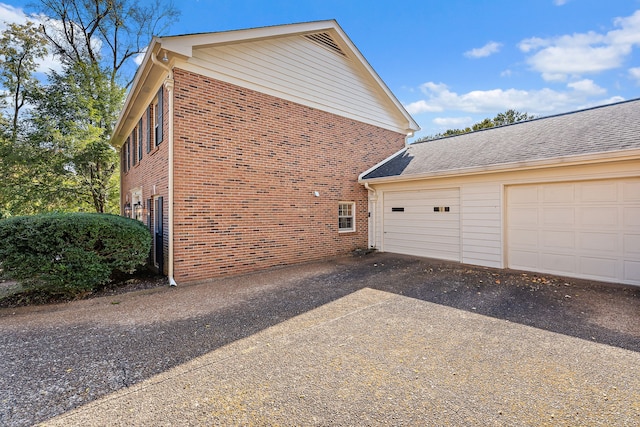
x=301, y=70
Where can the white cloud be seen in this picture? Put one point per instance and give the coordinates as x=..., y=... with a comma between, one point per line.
x=422, y=107
x=10, y=14
x=635, y=73
x=140, y=57
x=484, y=51
x=439, y=97
x=559, y=57
x=588, y=87
x=506, y=73
x=533, y=43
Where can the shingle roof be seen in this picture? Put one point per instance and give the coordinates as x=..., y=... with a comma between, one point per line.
x=604, y=129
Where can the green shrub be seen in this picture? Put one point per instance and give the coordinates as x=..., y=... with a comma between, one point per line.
x=69, y=254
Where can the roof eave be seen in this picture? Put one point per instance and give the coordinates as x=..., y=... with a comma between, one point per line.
x=136, y=86
x=181, y=47
x=592, y=158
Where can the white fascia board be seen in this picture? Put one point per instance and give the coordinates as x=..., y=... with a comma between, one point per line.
x=134, y=92
x=185, y=44
x=593, y=158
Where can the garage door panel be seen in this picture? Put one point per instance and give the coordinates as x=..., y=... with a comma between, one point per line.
x=632, y=244
x=632, y=271
x=599, y=192
x=558, y=193
x=447, y=252
x=419, y=229
x=523, y=217
x=598, y=242
x=558, y=262
x=406, y=233
x=558, y=239
x=631, y=217
x=599, y=267
x=631, y=191
x=524, y=260
x=523, y=238
x=585, y=229
x=433, y=246
x=558, y=217
x=599, y=216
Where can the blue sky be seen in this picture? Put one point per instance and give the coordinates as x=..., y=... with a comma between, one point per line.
x=455, y=62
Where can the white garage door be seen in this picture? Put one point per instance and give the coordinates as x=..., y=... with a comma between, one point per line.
x=587, y=229
x=423, y=223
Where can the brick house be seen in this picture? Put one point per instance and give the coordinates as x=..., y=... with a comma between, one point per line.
x=241, y=150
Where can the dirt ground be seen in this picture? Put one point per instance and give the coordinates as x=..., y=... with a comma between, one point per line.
x=56, y=357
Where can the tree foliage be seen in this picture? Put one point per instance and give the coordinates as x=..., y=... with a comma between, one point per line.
x=501, y=119
x=104, y=32
x=55, y=155
x=21, y=46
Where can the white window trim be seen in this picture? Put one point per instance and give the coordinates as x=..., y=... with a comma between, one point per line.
x=353, y=218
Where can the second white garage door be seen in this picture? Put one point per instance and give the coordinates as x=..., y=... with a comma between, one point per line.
x=423, y=223
x=587, y=229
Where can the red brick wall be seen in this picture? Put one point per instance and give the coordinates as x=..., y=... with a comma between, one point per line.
x=246, y=169
x=151, y=171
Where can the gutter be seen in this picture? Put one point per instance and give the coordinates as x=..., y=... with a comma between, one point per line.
x=168, y=83
x=591, y=158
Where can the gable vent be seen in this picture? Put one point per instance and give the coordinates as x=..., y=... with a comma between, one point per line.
x=325, y=40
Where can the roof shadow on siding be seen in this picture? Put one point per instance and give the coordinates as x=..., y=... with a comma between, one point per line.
x=393, y=167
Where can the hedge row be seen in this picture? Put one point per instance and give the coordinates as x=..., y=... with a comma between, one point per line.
x=68, y=254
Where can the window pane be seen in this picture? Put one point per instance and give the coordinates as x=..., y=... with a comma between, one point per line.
x=345, y=223
x=345, y=217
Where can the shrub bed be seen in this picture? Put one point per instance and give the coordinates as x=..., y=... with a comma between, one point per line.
x=70, y=254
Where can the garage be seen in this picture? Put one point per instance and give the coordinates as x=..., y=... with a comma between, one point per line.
x=554, y=195
x=423, y=223
x=587, y=229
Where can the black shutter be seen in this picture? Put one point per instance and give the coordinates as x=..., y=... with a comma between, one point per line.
x=140, y=140
x=160, y=114
x=148, y=129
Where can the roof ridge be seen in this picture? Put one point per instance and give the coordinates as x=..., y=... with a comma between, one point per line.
x=535, y=119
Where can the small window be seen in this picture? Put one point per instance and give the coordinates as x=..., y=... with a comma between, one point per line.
x=158, y=122
x=127, y=155
x=346, y=216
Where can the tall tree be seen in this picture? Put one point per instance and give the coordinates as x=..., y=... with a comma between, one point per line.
x=501, y=119
x=21, y=46
x=65, y=160
x=73, y=115
x=511, y=116
x=105, y=32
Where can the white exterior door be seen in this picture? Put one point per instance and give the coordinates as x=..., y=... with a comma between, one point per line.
x=588, y=229
x=422, y=223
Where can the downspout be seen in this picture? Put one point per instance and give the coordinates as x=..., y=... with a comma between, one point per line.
x=168, y=84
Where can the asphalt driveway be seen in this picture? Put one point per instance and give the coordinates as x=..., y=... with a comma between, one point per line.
x=495, y=329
